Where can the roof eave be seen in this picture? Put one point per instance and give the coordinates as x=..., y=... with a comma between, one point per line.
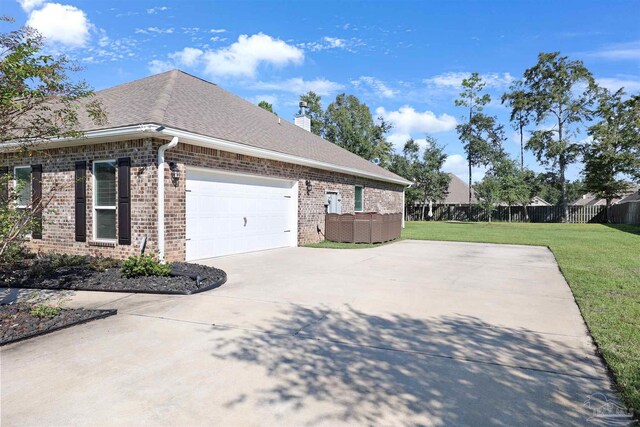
x=159, y=131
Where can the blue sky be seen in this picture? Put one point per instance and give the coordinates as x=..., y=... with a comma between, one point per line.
x=404, y=59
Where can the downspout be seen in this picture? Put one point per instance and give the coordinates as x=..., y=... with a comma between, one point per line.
x=161, y=151
x=404, y=207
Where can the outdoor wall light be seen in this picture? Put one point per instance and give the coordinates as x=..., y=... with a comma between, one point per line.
x=175, y=173
x=309, y=186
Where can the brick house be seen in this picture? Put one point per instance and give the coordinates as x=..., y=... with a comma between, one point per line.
x=233, y=177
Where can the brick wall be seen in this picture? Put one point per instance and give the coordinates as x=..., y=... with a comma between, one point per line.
x=58, y=176
x=59, y=167
x=378, y=196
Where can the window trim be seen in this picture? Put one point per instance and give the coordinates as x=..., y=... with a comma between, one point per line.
x=94, y=198
x=361, y=198
x=15, y=185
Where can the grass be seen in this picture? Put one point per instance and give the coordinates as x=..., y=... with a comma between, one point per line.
x=602, y=266
x=335, y=245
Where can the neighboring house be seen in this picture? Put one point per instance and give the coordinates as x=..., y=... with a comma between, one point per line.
x=233, y=177
x=458, y=193
x=589, y=199
x=539, y=201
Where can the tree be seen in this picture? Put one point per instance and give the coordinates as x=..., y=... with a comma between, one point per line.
x=520, y=112
x=315, y=112
x=38, y=102
x=514, y=183
x=483, y=139
x=266, y=106
x=488, y=193
x=615, y=147
x=547, y=186
x=471, y=132
x=559, y=92
x=425, y=170
x=348, y=123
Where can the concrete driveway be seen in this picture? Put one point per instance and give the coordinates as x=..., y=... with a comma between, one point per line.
x=411, y=333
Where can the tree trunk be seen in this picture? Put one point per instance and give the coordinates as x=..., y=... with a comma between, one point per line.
x=608, y=211
x=521, y=148
x=430, y=210
x=563, y=165
x=509, y=209
x=565, y=202
x=470, y=216
x=469, y=160
x=424, y=204
x=526, y=212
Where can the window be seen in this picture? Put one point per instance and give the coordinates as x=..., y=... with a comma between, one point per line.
x=22, y=175
x=104, y=200
x=358, y=198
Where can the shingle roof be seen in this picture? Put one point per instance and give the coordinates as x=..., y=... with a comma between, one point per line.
x=179, y=100
x=459, y=192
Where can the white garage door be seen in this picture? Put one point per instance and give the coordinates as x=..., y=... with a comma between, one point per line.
x=231, y=214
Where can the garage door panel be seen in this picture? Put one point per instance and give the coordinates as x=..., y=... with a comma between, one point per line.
x=218, y=204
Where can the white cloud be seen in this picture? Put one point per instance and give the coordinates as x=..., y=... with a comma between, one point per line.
x=271, y=99
x=379, y=87
x=406, y=120
x=331, y=43
x=154, y=10
x=457, y=165
x=298, y=85
x=29, y=5
x=243, y=57
x=619, y=51
x=217, y=30
x=188, y=56
x=629, y=83
x=453, y=80
x=157, y=66
x=63, y=24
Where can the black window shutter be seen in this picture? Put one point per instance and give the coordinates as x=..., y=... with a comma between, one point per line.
x=36, y=198
x=124, y=201
x=81, y=201
x=4, y=184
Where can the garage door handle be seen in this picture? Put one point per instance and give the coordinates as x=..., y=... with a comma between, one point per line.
x=245, y=221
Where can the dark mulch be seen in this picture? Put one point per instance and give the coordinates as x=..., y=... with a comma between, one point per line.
x=92, y=275
x=17, y=322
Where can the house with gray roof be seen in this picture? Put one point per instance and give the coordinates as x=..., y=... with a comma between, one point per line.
x=188, y=170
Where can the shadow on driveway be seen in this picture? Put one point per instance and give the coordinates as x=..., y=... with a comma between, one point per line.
x=355, y=368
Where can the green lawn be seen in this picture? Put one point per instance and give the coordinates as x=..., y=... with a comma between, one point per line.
x=601, y=264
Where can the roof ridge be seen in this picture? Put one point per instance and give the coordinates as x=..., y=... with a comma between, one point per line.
x=162, y=103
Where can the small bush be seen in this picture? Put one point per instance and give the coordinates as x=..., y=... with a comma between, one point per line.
x=44, y=311
x=48, y=264
x=144, y=265
x=102, y=264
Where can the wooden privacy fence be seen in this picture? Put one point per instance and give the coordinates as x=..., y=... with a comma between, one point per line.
x=625, y=213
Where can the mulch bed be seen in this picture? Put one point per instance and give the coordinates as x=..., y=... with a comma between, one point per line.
x=17, y=323
x=185, y=278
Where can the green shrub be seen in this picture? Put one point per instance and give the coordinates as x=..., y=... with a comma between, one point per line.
x=102, y=264
x=44, y=311
x=144, y=265
x=48, y=264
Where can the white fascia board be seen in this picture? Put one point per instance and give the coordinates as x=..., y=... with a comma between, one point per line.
x=234, y=147
x=150, y=130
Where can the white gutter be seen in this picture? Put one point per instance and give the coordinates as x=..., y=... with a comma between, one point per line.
x=161, y=151
x=149, y=130
x=234, y=147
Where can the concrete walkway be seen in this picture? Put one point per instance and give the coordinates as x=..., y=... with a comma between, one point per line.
x=412, y=333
